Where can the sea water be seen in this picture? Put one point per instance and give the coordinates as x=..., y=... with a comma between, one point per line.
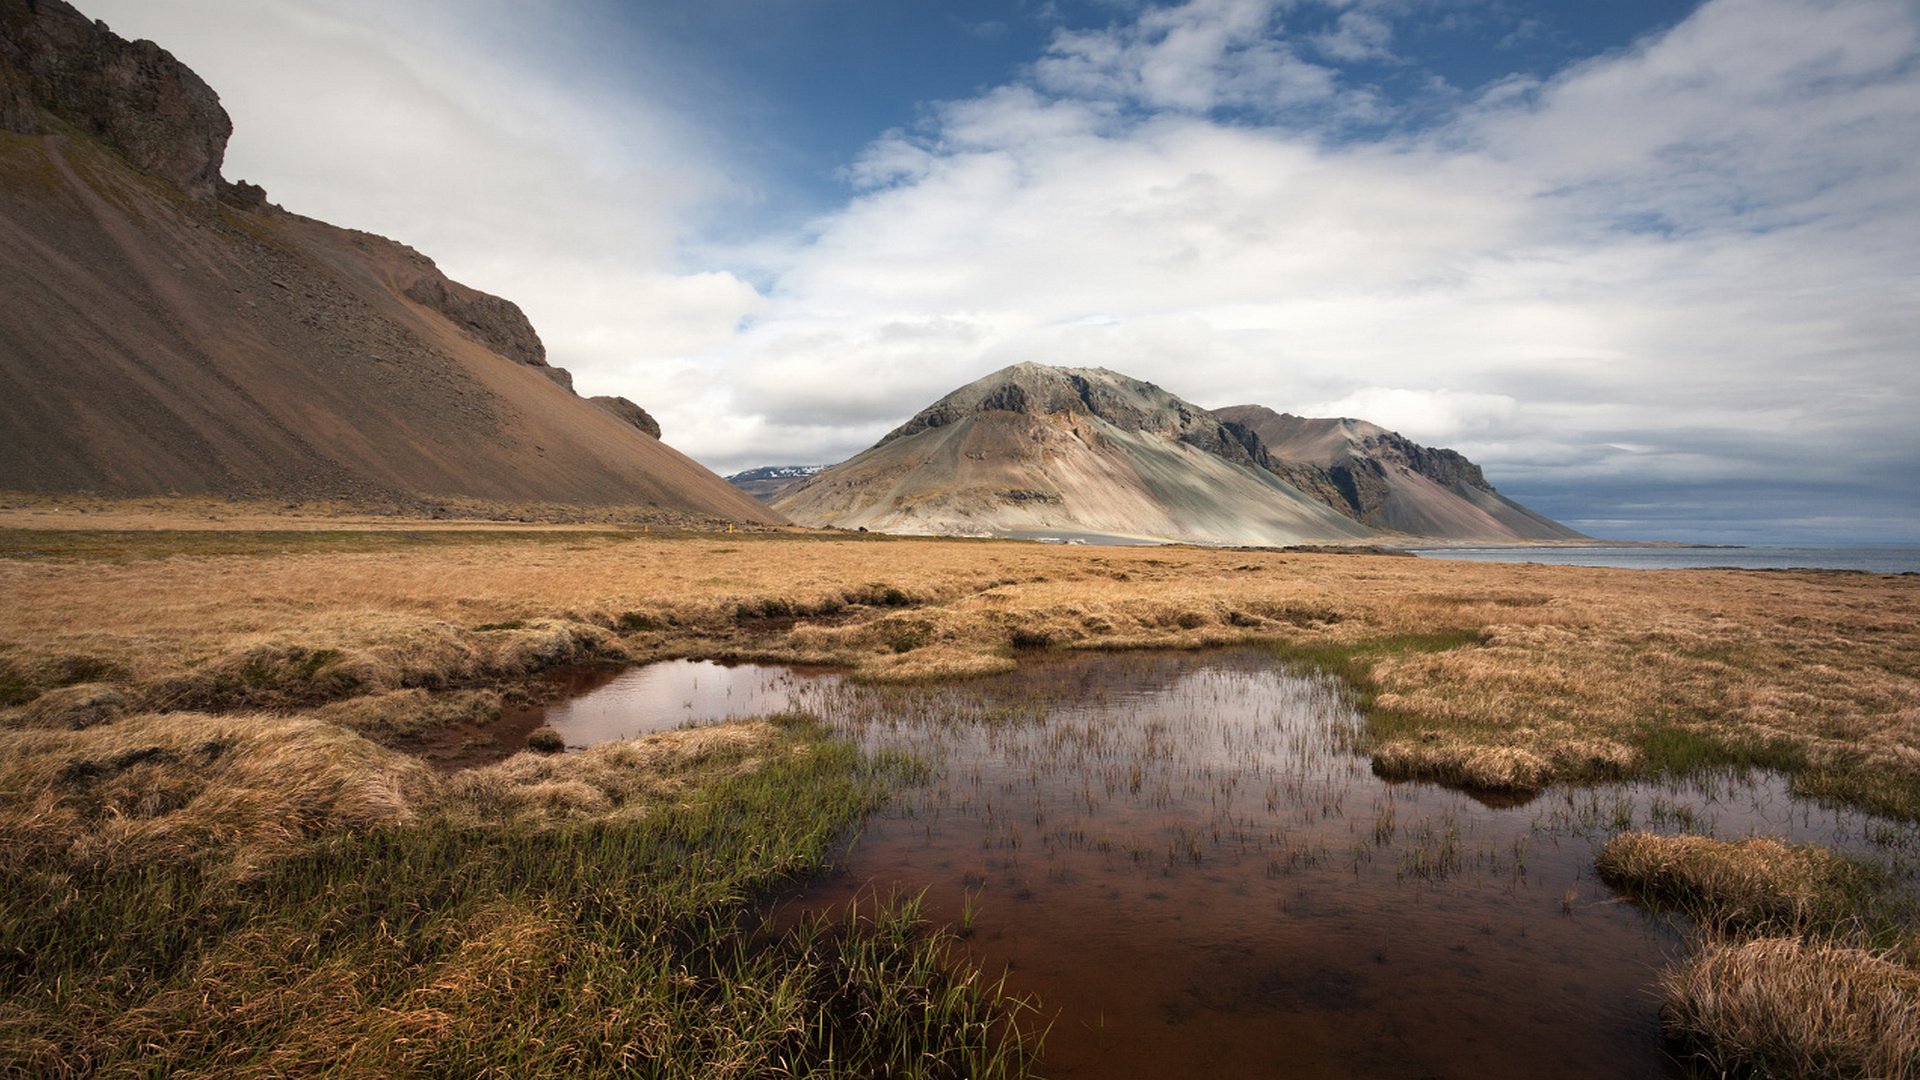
x=1870, y=558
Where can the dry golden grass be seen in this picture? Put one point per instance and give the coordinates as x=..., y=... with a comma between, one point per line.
x=172, y=787
x=400, y=714
x=1528, y=762
x=296, y=1025
x=1754, y=884
x=1786, y=1007
x=1823, y=1002
x=1493, y=675
x=80, y=705
x=625, y=777
x=243, y=788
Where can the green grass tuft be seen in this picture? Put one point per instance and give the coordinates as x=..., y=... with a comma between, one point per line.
x=1353, y=661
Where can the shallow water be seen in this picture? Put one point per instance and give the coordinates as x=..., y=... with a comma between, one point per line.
x=608, y=704
x=1180, y=856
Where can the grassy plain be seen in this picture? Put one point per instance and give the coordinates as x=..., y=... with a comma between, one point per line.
x=215, y=712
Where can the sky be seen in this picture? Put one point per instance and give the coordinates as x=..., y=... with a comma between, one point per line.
x=1654, y=265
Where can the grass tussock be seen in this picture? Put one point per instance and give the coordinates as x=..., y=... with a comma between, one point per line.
x=403, y=714
x=350, y=657
x=1756, y=885
x=73, y=707
x=171, y=788
x=1541, y=758
x=25, y=678
x=588, y=915
x=614, y=779
x=1463, y=764
x=1785, y=1007
x=1803, y=959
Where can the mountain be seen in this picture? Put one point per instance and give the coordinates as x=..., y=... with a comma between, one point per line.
x=1385, y=480
x=1033, y=450
x=168, y=331
x=768, y=482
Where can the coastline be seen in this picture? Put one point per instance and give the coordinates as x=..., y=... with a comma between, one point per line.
x=1890, y=559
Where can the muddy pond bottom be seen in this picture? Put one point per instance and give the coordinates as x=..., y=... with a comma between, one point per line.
x=1183, y=861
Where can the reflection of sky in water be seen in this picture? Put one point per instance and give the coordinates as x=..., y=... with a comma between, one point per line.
x=1180, y=855
x=676, y=693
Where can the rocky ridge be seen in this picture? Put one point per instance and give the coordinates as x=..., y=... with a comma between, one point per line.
x=1384, y=479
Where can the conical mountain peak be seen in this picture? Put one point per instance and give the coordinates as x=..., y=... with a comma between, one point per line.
x=1041, y=390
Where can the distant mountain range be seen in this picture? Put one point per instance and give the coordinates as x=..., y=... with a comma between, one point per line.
x=167, y=331
x=769, y=481
x=1034, y=450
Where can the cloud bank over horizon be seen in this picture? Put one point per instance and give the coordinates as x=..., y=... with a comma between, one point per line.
x=1666, y=290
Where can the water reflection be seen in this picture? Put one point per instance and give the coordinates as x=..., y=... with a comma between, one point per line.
x=603, y=705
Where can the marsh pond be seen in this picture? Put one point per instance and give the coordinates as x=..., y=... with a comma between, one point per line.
x=1184, y=863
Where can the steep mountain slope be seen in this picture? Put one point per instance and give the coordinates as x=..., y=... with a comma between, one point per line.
x=1385, y=480
x=1033, y=449
x=167, y=331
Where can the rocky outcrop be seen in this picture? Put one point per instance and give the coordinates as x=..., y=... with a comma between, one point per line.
x=1126, y=403
x=627, y=412
x=57, y=67
x=1441, y=465
x=1354, y=491
x=244, y=196
x=498, y=324
x=494, y=322
x=1384, y=479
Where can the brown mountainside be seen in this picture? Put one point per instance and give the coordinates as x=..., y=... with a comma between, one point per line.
x=1037, y=450
x=166, y=331
x=1385, y=480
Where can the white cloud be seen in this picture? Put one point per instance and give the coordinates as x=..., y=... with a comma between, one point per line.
x=1199, y=56
x=1430, y=416
x=1357, y=35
